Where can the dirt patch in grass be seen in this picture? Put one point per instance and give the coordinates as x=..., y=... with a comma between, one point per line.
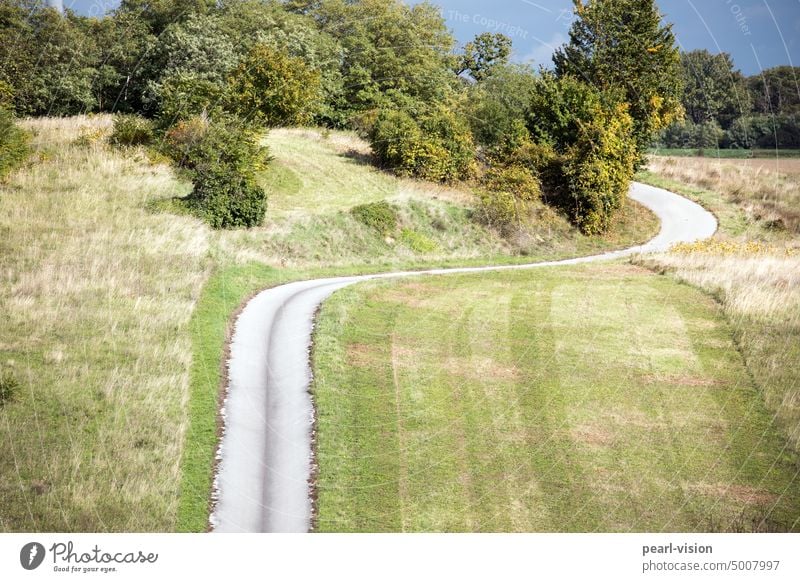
x=737, y=493
x=682, y=380
x=593, y=435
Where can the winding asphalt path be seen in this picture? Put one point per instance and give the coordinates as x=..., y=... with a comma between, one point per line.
x=265, y=456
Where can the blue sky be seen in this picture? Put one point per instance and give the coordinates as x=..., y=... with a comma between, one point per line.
x=758, y=33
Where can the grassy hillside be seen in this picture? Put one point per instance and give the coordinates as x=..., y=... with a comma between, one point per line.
x=115, y=314
x=96, y=294
x=599, y=398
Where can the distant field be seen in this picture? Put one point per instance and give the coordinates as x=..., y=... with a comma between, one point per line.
x=725, y=153
x=598, y=398
x=765, y=193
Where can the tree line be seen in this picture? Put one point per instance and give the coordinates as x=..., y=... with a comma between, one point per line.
x=728, y=110
x=202, y=80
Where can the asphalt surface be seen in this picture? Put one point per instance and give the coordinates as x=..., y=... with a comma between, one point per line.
x=265, y=457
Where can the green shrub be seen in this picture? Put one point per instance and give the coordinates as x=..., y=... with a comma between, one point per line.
x=9, y=388
x=598, y=169
x=223, y=158
x=439, y=147
x=229, y=200
x=131, y=130
x=183, y=96
x=13, y=143
x=417, y=242
x=202, y=145
x=585, y=149
x=687, y=134
x=273, y=88
x=380, y=216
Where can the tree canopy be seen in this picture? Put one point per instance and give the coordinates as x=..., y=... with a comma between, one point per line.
x=623, y=46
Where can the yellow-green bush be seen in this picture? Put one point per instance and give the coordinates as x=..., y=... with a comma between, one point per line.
x=598, y=168
x=506, y=199
x=380, y=216
x=585, y=149
x=438, y=147
x=131, y=130
x=273, y=88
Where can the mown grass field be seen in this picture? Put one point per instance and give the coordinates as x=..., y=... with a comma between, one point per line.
x=596, y=398
x=115, y=314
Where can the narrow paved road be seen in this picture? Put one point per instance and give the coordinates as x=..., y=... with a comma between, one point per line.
x=262, y=484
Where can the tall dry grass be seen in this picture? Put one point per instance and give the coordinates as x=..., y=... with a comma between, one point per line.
x=768, y=194
x=95, y=295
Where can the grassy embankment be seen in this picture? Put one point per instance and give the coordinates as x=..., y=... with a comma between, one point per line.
x=115, y=316
x=596, y=398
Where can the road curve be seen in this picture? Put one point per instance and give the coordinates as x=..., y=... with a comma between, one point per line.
x=265, y=455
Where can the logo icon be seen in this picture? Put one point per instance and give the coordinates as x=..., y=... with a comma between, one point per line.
x=31, y=555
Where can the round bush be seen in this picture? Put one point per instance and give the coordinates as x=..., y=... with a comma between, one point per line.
x=131, y=130
x=229, y=201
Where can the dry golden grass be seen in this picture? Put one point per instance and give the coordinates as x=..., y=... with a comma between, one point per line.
x=96, y=295
x=767, y=190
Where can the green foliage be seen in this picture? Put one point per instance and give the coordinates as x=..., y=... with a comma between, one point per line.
x=188, y=67
x=482, y=55
x=50, y=60
x=583, y=149
x=765, y=131
x=257, y=22
x=497, y=106
x=508, y=193
x=438, y=147
x=228, y=200
x=158, y=15
x=185, y=95
x=380, y=216
x=222, y=157
x=417, y=242
x=622, y=44
x=714, y=90
x=598, y=169
x=394, y=55
x=273, y=88
x=124, y=43
x=559, y=106
x=693, y=135
x=13, y=143
x=202, y=145
x=774, y=91
x=131, y=130
x=9, y=388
